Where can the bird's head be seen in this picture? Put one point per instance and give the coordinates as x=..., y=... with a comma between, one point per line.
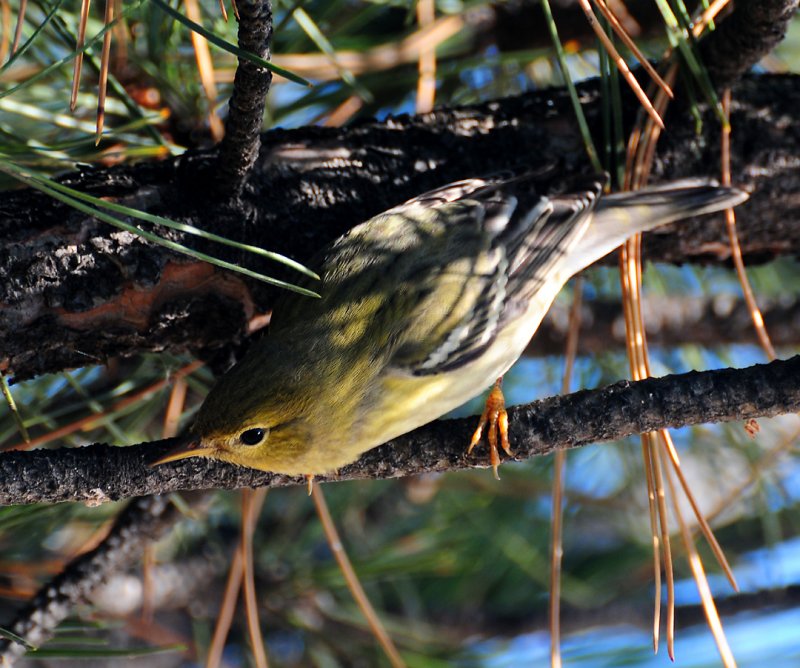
x=248, y=421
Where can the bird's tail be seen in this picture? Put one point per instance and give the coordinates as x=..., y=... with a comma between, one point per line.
x=621, y=215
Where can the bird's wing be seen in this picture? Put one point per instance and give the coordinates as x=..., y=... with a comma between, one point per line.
x=542, y=252
x=476, y=262
x=451, y=192
x=428, y=285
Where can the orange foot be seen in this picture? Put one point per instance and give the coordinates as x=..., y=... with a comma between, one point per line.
x=496, y=417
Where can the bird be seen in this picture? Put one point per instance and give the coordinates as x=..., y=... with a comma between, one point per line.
x=421, y=308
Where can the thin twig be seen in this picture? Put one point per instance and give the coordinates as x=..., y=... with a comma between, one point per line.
x=78, y=64
x=100, y=472
x=105, y=60
x=252, y=502
x=733, y=237
x=55, y=601
x=620, y=31
x=426, y=82
x=700, y=578
x=23, y=6
x=559, y=469
x=226, y=610
x=205, y=69
x=353, y=583
x=619, y=61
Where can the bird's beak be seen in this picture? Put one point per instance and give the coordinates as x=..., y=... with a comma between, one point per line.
x=191, y=447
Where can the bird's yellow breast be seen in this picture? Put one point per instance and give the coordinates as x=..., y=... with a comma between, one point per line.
x=405, y=401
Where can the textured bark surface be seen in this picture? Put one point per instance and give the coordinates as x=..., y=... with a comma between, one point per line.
x=752, y=30
x=741, y=37
x=239, y=149
x=100, y=473
x=73, y=290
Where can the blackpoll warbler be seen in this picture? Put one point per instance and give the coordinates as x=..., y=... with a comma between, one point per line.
x=421, y=308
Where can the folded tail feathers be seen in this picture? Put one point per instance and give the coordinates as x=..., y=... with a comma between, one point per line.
x=659, y=205
x=621, y=215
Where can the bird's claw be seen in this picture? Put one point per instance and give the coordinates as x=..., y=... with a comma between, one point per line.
x=496, y=417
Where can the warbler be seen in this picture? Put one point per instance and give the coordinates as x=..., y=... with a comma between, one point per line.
x=421, y=308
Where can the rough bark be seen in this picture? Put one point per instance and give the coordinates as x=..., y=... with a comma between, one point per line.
x=74, y=290
x=752, y=30
x=239, y=149
x=98, y=473
x=118, y=552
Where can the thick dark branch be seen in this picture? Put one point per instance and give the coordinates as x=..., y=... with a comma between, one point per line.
x=753, y=29
x=100, y=472
x=520, y=25
x=239, y=149
x=118, y=551
x=741, y=39
x=73, y=290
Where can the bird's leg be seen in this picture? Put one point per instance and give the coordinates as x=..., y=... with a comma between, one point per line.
x=496, y=417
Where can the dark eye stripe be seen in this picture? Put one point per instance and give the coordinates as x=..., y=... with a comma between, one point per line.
x=252, y=436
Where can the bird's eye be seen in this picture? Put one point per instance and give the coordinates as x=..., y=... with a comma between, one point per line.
x=252, y=436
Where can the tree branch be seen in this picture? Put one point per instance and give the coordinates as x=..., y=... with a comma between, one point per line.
x=118, y=551
x=753, y=29
x=73, y=289
x=239, y=148
x=100, y=473
x=740, y=40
